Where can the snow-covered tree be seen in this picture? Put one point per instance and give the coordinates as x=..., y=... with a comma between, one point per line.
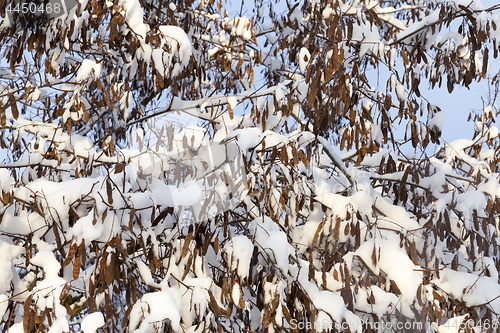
x=296, y=202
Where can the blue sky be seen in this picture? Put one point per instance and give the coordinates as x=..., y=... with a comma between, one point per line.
x=457, y=106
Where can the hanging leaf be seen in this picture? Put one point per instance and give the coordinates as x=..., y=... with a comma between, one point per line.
x=71, y=253
x=28, y=315
x=109, y=191
x=13, y=106
x=185, y=247
x=76, y=265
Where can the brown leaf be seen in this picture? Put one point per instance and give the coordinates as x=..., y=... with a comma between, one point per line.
x=76, y=265
x=449, y=85
x=387, y=102
x=109, y=273
x=126, y=316
x=240, y=302
x=485, y=61
x=284, y=155
x=266, y=318
x=314, y=88
x=436, y=296
x=65, y=292
x=295, y=156
x=131, y=219
x=286, y=313
x=225, y=289
x=184, y=142
x=374, y=256
x=336, y=230
x=346, y=229
x=372, y=298
x=109, y=191
x=170, y=137
x=13, y=106
x=92, y=287
x=303, y=158
x=71, y=253
x=395, y=287
x=216, y=244
x=188, y=266
x=133, y=284
x=214, y=305
x=185, y=247
x=120, y=167
x=357, y=235
x=419, y=295
x=413, y=253
x=3, y=116
x=28, y=315
x=163, y=214
x=318, y=231
x=206, y=243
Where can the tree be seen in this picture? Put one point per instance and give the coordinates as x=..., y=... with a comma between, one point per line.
x=115, y=219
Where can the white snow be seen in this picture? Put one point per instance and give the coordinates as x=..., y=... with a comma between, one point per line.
x=240, y=251
x=155, y=307
x=134, y=17
x=276, y=246
x=437, y=121
x=9, y=252
x=241, y=27
x=304, y=59
x=92, y=322
x=179, y=42
x=86, y=68
x=48, y=262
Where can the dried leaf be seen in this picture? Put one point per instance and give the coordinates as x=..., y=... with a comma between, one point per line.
x=13, y=106
x=374, y=256
x=109, y=191
x=314, y=88
x=319, y=229
x=295, y=156
x=240, y=302
x=131, y=219
x=336, y=230
x=419, y=295
x=214, y=305
x=71, y=253
x=28, y=318
x=395, y=287
x=120, y=167
x=216, y=244
x=413, y=253
x=109, y=273
x=286, y=313
x=163, y=214
x=159, y=140
x=485, y=61
x=3, y=116
x=76, y=265
x=266, y=318
x=387, y=102
x=65, y=292
x=185, y=247
x=126, y=316
x=284, y=155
